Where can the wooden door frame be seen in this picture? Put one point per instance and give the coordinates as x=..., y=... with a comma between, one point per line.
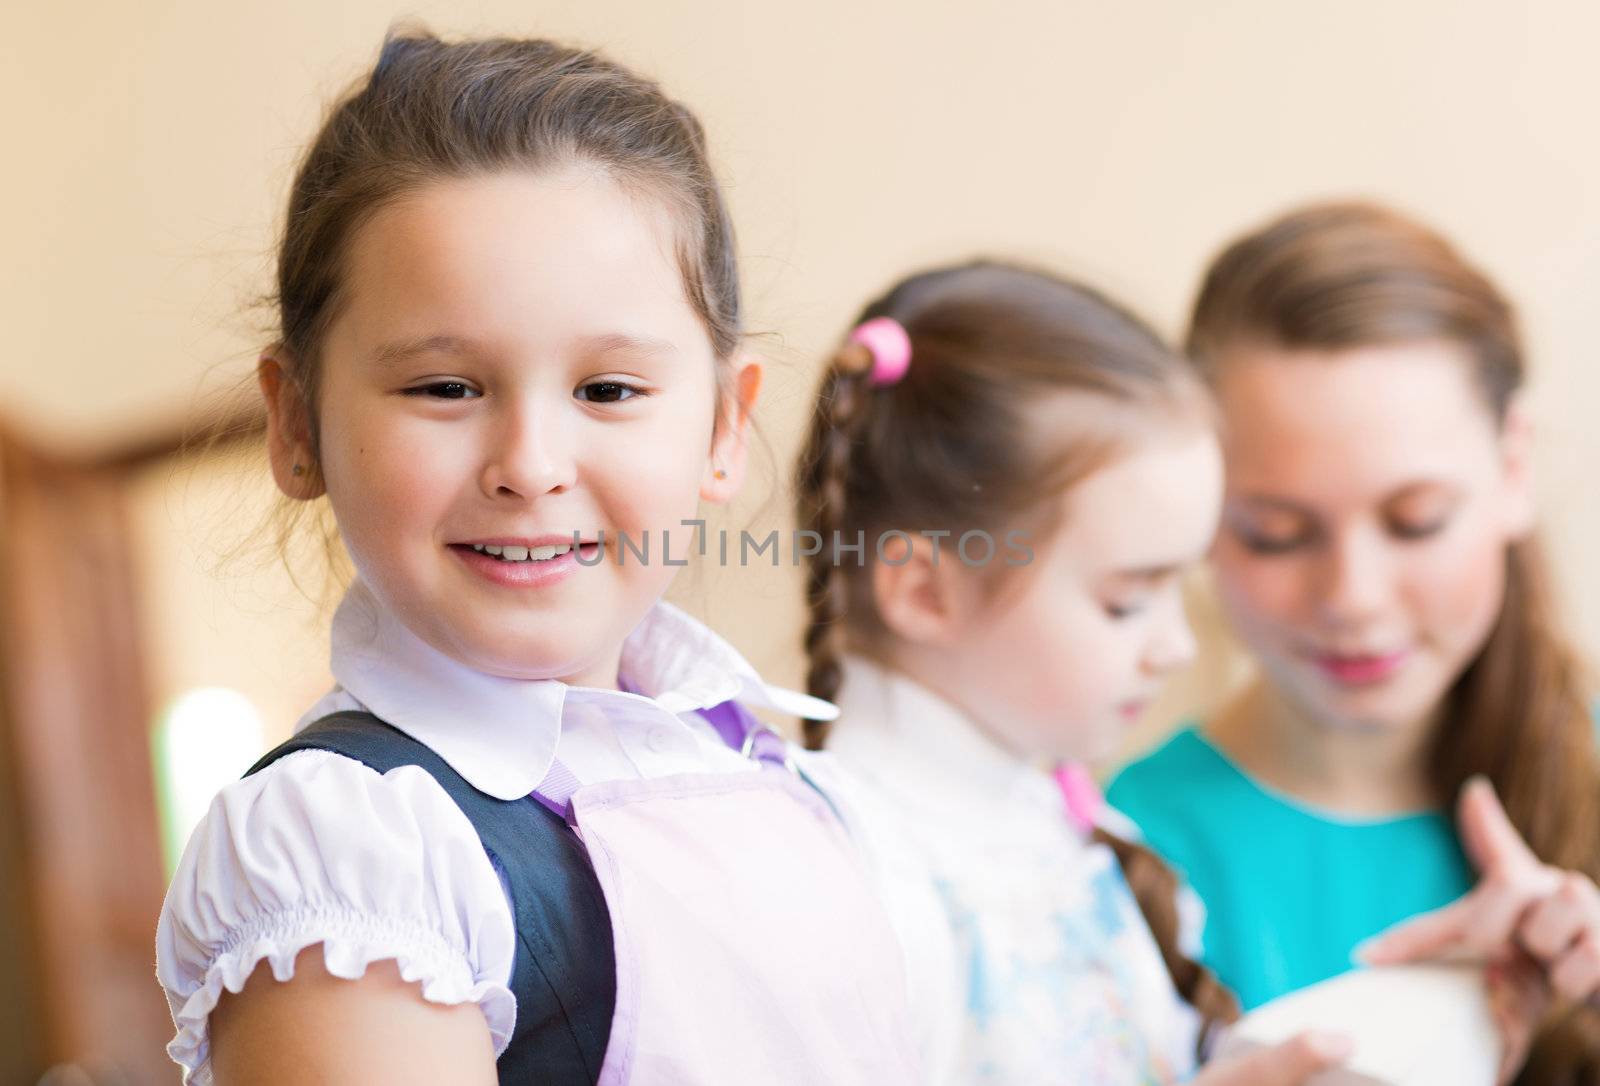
x=80, y=847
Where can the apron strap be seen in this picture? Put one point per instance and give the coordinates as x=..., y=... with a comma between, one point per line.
x=737, y=726
x=555, y=791
x=744, y=731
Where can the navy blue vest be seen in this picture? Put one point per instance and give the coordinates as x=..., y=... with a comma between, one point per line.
x=564, y=974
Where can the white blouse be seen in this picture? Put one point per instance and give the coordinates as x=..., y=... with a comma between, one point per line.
x=318, y=848
x=1039, y=967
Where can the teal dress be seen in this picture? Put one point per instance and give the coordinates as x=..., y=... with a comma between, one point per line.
x=1289, y=890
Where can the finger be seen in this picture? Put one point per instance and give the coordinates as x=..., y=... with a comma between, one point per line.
x=1477, y=925
x=1286, y=1064
x=1512, y=1033
x=1520, y=985
x=1555, y=922
x=1425, y=936
x=1518, y=1000
x=1576, y=974
x=1503, y=904
x=1491, y=841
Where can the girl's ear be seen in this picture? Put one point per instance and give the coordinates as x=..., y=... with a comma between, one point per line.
x=922, y=592
x=1516, y=462
x=730, y=447
x=288, y=431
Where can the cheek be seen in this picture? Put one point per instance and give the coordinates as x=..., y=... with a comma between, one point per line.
x=1257, y=593
x=381, y=477
x=1060, y=659
x=1456, y=589
x=667, y=468
x=656, y=469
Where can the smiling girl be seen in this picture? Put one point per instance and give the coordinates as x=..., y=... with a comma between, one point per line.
x=1377, y=556
x=535, y=807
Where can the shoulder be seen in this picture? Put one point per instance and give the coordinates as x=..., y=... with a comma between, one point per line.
x=1184, y=797
x=860, y=809
x=319, y=848
x=1181, y=762
x=896, y=865
x=318, y=809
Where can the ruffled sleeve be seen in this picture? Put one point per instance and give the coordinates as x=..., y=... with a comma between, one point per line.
x=318, y=848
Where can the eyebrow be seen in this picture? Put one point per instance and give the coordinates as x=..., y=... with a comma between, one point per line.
x=398, y=351
x=1150, y=574
x=610, y=343
x=1447, y=487
x=1405, y=490
x=1283, y=504
x=622, y=343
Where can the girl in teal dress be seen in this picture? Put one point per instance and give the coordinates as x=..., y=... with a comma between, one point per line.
x=1377, y=556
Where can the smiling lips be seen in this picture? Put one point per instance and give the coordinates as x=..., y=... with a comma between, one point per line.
x=1361, y=670
x=528, y=542
x=525, y=562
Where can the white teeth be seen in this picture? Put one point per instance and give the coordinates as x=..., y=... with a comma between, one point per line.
x=523, y=554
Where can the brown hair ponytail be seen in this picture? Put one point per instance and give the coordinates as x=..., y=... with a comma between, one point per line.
x=840, y=403
x=1155, y=888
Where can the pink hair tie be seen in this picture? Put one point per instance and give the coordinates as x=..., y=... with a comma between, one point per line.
x=886, y=340
x=1080, y=794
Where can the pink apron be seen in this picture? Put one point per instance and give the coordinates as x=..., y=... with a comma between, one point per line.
x=750, y=947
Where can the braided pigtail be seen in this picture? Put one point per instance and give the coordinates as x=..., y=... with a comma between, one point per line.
x=1155, y=889
x=823, y=488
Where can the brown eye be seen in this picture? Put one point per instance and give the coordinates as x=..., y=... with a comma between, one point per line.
x=1413, y=530
x=1121, y=609
x=1260, y=544
x=443, y=390
x=1421, y=515
x=1271, y=532
x=608, y=392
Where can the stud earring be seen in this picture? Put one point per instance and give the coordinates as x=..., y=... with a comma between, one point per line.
x=720, y=474
x=299, y=469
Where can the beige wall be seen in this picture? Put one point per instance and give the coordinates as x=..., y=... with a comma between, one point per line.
x=151, y=145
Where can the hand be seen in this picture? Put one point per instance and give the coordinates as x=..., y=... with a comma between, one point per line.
x=1537, y=926
x=1288, y=1064
x=1519, y=904
x=1519, y=998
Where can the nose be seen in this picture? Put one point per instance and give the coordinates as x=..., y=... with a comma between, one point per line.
x=530, y=453
x=1172, y=642
x=1353, y=579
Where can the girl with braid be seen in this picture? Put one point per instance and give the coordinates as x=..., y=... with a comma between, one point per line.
x=1030, y=471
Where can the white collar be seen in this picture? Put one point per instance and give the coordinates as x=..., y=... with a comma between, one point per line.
x=898, y=730
x=501, y=734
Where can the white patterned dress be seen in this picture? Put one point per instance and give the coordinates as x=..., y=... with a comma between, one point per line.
x=1042, y=969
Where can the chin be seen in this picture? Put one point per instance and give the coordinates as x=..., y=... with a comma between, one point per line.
x=531, y=661
x=1095, y=751
x=1372, y=710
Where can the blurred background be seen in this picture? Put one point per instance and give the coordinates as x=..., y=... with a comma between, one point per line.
x=151, y=645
